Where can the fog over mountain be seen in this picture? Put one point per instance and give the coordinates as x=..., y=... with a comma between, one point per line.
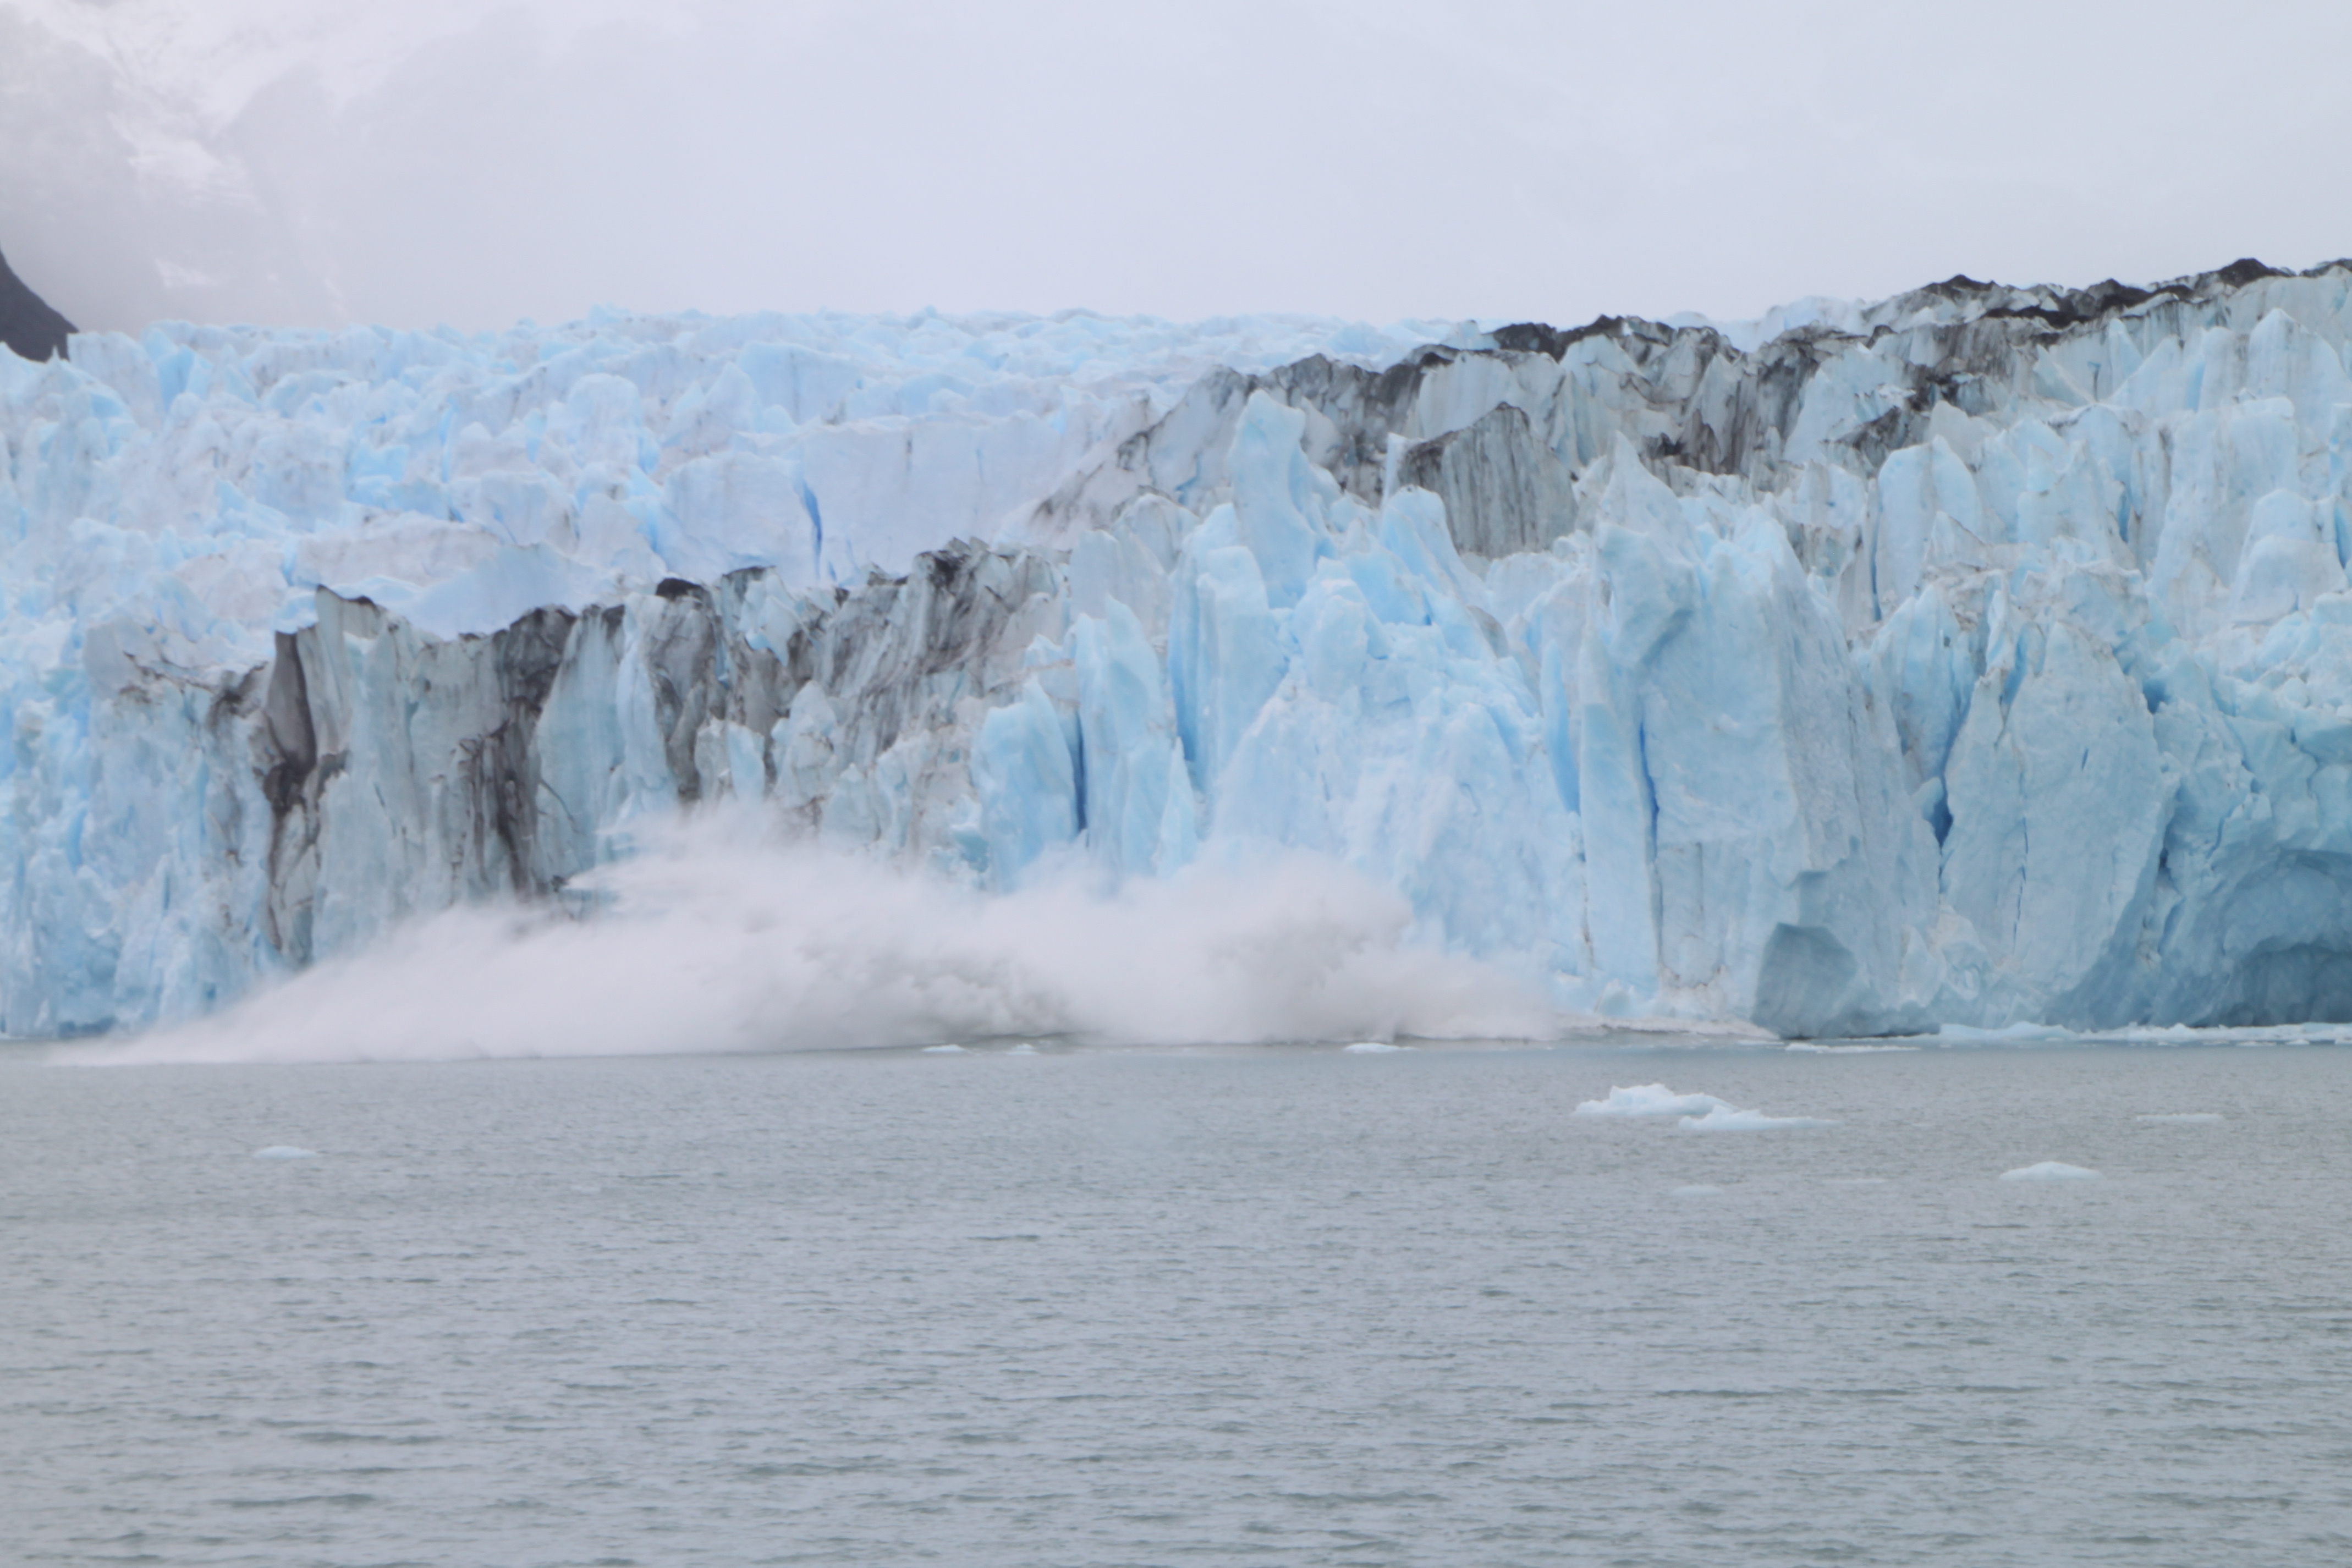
x=294, y=162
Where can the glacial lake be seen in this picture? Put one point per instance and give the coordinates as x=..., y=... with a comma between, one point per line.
x=1083, y=1308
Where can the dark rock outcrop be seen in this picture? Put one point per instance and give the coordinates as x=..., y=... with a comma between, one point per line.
x=1694, y=403
x=1504, y=489
x=27, y=324
x=404, y=772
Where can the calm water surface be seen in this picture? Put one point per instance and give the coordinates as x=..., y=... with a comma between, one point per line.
x=1275, y=1306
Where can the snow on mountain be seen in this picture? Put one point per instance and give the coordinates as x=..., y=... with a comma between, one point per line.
x=1979, y=655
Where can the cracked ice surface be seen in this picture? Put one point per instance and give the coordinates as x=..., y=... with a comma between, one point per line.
x=1977, y=656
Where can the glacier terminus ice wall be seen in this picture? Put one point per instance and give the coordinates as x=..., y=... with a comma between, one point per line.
x=1980, y=655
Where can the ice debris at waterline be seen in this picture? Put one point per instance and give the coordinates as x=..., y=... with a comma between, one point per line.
x=2050, y=1170
x=285, y=1151
x=1977, y=655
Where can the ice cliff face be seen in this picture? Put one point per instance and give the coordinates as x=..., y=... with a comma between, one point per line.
x=1977, y=655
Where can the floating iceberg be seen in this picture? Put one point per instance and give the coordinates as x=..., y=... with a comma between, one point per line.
x=1373, y=1048
x=2050, y=1170
x=1975, y=656
x=1696, y=1112
x=1650, y=1100
x=1726, y=1119
x=285, y=1151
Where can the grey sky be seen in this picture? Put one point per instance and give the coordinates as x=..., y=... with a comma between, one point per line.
x=290, y=160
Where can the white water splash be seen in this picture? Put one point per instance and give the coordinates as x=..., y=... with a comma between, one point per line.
x=712, y=941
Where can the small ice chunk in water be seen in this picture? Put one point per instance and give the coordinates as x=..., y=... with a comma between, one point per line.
x=2183, y=1118
x=1699, y=1113
x=2008, y=1034
x=945, y=1050
x=1023, y=1048
x=285, y=1151
x=1372, y=1047
x=1725, y=1119
x=2050, y=1170
x=1649, y=1099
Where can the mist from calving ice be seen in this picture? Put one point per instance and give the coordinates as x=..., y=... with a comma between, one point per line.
x=716, y=939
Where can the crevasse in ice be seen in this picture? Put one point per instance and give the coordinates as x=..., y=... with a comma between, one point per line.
x=1979, y=655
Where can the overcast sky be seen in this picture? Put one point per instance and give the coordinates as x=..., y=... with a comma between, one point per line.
x=306, y=162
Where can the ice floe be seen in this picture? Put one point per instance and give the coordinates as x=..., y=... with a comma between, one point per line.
x=1727, y=1119
x=1650, y=1100
x=1697, y=1112
x=2050, y=1170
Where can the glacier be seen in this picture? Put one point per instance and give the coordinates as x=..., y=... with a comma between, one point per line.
x=1977, y=656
